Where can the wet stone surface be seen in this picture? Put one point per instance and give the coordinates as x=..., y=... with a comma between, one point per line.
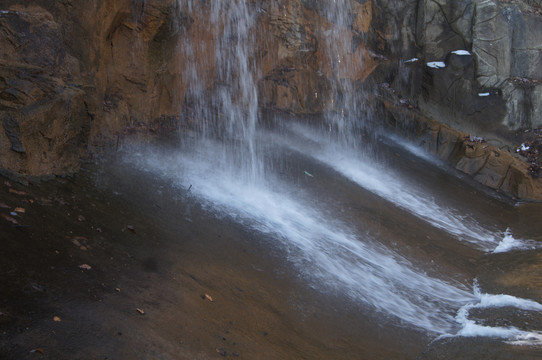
x=113, y=264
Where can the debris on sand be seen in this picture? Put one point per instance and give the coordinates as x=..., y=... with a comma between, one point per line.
x=9, y=218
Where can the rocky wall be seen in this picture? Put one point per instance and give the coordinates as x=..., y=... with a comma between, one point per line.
x=76, y=77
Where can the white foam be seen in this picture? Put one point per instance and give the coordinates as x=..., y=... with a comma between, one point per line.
x=436, y=64
x=513, y=335
x=484, y=94
x=509, y=243
x=412, y=60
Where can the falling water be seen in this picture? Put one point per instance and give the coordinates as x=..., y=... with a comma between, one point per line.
x=229, y=112
x=224, y=161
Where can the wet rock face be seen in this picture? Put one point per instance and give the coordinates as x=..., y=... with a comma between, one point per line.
x=75, y=75
x=502, y=37
x=79, y=75
x=44, y=119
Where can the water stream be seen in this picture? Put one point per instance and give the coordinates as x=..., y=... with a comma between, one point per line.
x=296, y=184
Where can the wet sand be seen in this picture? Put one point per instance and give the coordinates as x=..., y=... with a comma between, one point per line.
x=153, y=248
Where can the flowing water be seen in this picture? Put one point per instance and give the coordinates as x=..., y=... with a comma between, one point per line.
x=391, y=235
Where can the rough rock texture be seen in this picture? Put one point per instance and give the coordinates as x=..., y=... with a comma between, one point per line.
x=488, y=164
x=490, y=89
x=78, y=76
x=44, y=117
x=505, y=61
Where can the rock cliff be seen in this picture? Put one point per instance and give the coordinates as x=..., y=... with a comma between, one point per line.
x=76, y=77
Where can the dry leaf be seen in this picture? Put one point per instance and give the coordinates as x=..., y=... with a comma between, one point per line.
x=140, y=311
x=31, y=201
x=85, y=267
x=4, y=206
x=117, y=289
x=39, y=350
x=7, y=183
x=131, y=228
x=9, y=218
x=76, y=242
x=20, y=210
x=57, y=319
x=208, y=297
x=13, y=191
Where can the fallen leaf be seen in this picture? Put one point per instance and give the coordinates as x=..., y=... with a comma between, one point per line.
x=9, y=218
x=85, y=267
x=83, y=248
x=117, y=289
x=20, y=210
x=13, y=191
x=222, y=352
x=56, y=319
x=31, y=201
x=131, y=228
x=76, y=242
x=4, y=206
x=208, y=297
x=7, y=183
x=38, y=350
x=140, y=311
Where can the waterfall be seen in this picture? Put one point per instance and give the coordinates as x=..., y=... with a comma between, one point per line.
x=229, y=111
x=226, y=158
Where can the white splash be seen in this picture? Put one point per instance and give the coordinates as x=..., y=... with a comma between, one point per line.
x=513, y=335
x=509, y=243
x=484, y=94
